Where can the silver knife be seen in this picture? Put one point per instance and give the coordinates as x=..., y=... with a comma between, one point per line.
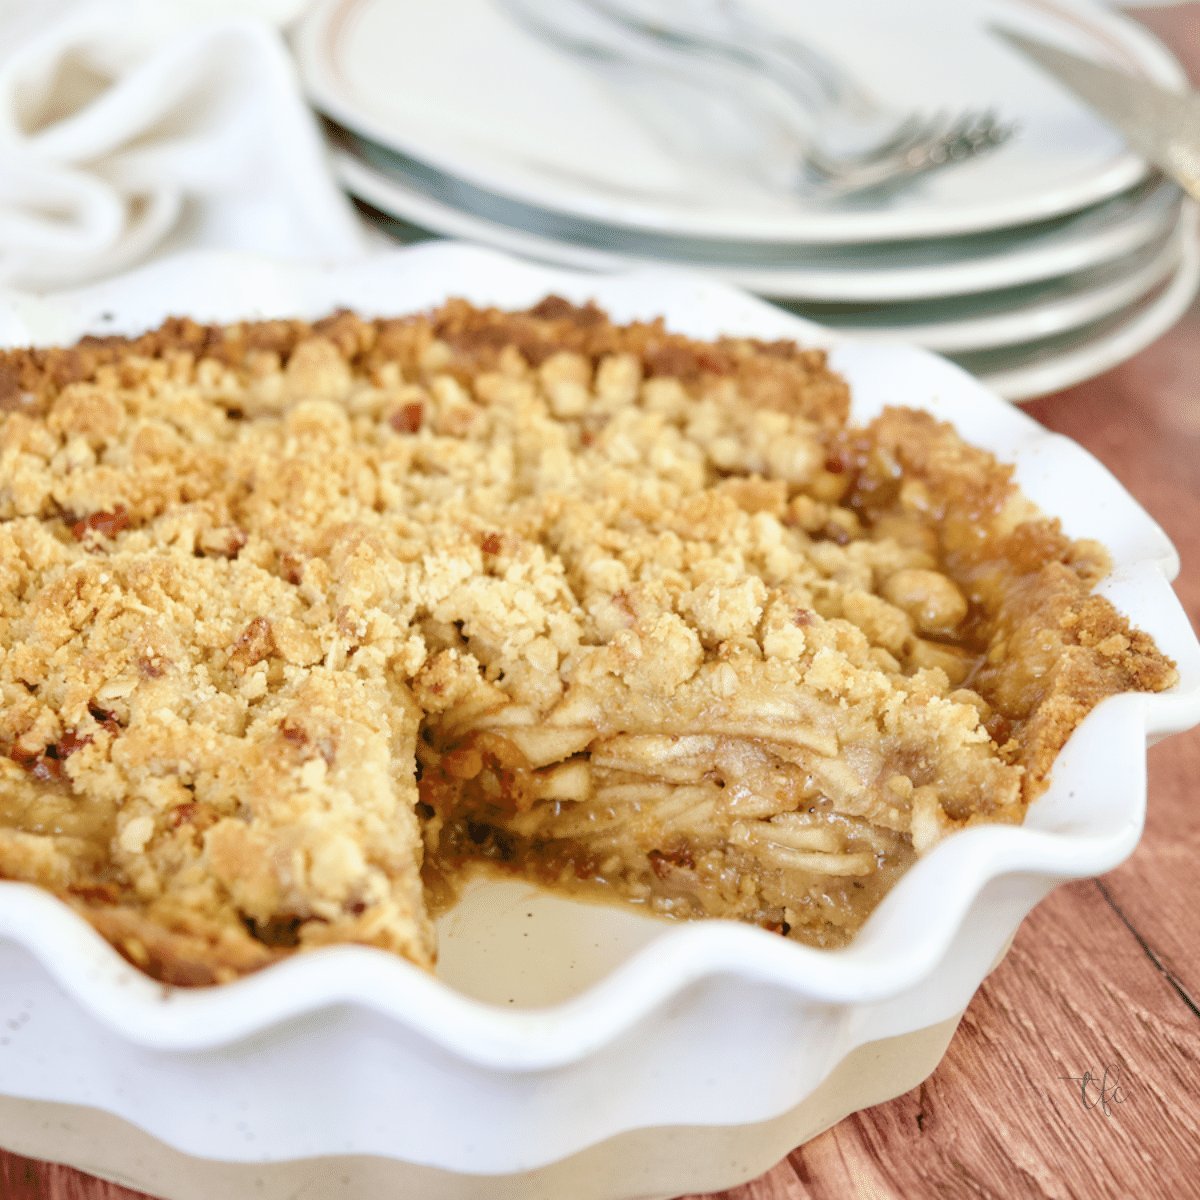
x=1161, y=125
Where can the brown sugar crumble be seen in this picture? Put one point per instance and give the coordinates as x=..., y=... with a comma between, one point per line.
x=304, y=621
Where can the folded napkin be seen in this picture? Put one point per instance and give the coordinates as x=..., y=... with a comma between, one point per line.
x=134, y=127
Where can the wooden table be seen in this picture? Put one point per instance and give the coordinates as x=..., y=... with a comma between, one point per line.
x=1105, y=974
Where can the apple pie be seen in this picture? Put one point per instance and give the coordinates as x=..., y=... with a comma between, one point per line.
x=303, y=622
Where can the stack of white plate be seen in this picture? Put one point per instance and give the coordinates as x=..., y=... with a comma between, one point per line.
x=1038, y=265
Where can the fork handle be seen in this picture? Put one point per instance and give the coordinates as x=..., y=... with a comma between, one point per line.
x=747, y=51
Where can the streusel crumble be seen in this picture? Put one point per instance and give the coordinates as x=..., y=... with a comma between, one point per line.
x=302, y=621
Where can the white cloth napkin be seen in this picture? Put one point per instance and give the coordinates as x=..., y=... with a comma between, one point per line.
x=132, y=127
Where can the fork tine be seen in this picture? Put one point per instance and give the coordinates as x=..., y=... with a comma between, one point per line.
x=925, y=135
x=989, y=128
x=913, y=128
x=912, y=132
x=924, y=131
x=966, y=136
x=959, y=130
x=982, y=127
x=998, y=132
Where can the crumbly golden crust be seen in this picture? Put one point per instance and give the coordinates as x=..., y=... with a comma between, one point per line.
x=299, y=620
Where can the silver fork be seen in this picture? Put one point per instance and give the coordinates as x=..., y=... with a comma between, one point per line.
x=890, y=151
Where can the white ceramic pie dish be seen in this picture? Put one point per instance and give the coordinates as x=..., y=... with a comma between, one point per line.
x=605, y=1055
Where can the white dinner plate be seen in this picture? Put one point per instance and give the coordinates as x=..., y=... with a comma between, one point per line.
x=1013, y=315
x=888, y=271
x=506, y=112
x=1051, y=364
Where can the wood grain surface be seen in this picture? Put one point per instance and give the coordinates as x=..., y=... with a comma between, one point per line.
x=1104, y=974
